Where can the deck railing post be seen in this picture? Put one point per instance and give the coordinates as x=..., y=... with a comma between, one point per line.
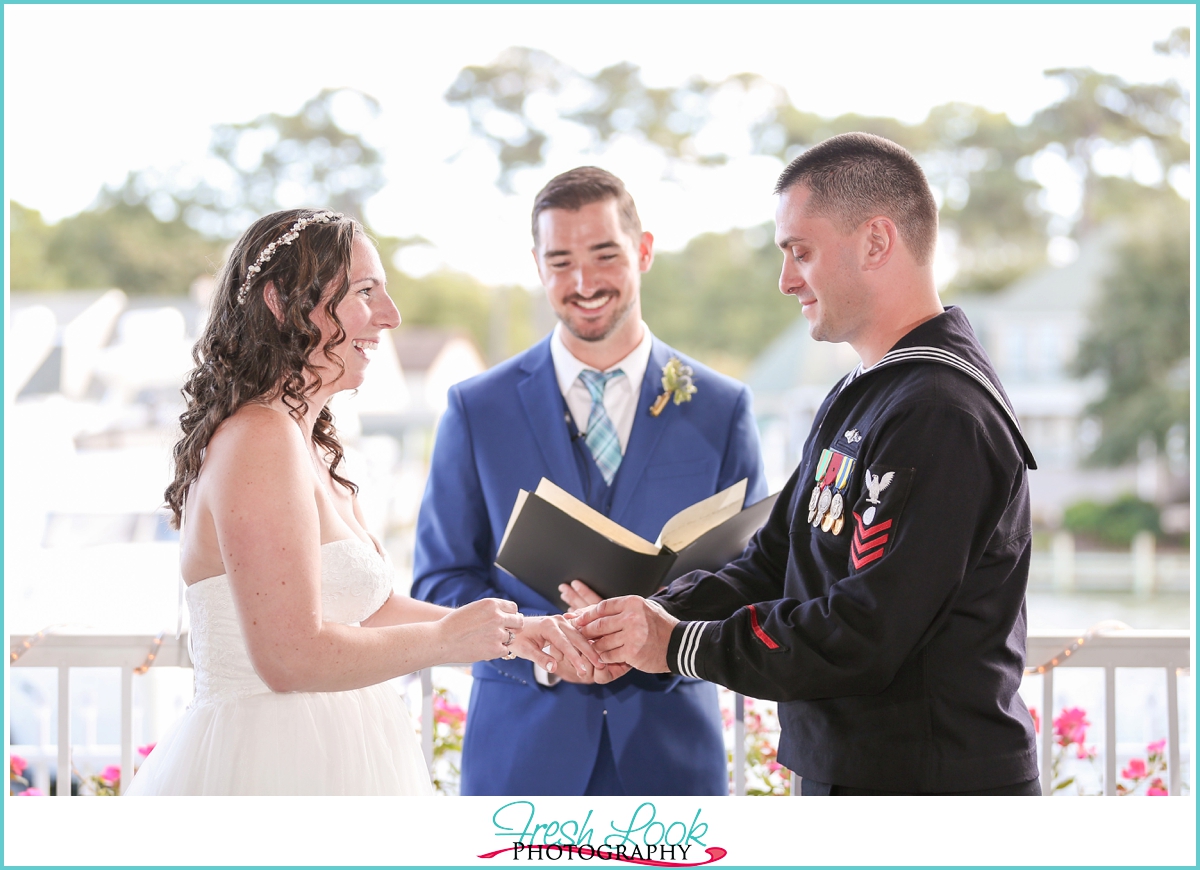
x=1110, y=729
x=126, y=727
x=1047, y=730
x=64, y=731
x=739, y=744
x=427, y=717
x=1175, y=775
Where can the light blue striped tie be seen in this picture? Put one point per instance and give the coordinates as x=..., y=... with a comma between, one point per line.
x=601, y=433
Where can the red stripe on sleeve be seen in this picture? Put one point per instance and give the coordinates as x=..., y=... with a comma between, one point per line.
x=758, y=632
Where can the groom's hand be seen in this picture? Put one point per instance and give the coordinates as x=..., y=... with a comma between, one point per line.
x=554, y=644
x=630, y=629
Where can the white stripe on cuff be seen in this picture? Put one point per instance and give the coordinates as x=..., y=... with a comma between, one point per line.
x=686, y=657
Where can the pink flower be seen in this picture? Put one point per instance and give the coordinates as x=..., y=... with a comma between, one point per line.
x=146, y=750
x=444, y=711
x=773, y=766
x=111, y=775
x=1037, y=720
x=1071, y=726
x=16, y=765
x=37, y=792
x=1157, y=747
x=1157, y=789
x=1136, y=769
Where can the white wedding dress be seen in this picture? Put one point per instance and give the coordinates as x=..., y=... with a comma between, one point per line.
x=239, y=737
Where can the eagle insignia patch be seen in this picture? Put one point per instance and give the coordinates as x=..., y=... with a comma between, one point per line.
x=877, y=512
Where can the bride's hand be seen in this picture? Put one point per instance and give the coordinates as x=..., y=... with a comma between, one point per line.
x=556, y=645
x=479, y=631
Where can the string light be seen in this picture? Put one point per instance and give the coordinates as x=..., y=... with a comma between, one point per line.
x=1099, y=628
x=150, y=656
x=30, y=642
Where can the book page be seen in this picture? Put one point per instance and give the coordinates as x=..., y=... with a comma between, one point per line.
x=691, y=523
x=512, y=518
x=593, y=519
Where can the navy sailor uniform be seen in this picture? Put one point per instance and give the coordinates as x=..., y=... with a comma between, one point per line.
x=893, y=635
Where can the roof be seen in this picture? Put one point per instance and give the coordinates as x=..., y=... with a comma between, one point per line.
x=418, y=346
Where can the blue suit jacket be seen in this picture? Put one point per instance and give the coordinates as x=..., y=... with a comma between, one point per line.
x=503, y=431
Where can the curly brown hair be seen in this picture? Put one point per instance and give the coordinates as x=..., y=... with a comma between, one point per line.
x=248, y=354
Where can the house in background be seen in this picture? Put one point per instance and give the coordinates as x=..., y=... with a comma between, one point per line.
x=1031, y=330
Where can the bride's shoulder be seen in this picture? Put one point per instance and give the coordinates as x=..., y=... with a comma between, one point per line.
x=256, y=430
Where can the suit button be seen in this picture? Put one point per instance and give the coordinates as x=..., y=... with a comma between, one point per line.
x=605, y=712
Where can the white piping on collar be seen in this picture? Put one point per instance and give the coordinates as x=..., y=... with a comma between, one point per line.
x=937, y=354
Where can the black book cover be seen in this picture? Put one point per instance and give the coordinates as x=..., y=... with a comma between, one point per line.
x=545, y=547
x=717, y=547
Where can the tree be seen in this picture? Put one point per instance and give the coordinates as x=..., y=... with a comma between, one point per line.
x=1102, y=111
x=275, y=161
x=113, y=245
x=1138, y=337
x=727, y=279
x=978, y=162
x=518, y=103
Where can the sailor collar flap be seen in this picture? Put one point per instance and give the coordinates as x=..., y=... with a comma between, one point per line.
x=920, y=354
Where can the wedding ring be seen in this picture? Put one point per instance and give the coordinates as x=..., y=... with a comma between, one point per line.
x=510, y=637
x=509, y=656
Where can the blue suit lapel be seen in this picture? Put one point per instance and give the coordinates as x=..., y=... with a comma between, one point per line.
x=644, y=437
x=544, y=405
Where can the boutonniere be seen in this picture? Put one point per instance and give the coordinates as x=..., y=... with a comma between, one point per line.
x=677, y=382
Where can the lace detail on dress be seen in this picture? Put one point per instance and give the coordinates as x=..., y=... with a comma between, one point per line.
x=355, y=582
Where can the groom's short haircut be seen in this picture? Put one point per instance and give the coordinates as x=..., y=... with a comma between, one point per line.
x=575, y=188
x=855, y=176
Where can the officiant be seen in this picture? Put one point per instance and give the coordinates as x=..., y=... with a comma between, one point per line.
x=584, y=409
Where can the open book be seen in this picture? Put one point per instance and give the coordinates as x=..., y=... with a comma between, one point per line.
x=552, y=538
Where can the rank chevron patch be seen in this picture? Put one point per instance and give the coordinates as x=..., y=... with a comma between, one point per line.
x=882, y=493
x=869, y=542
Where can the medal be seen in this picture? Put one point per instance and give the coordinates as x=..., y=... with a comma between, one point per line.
x=834, y=520
x=837, y=525
x=823, y=505
x=812, y=502
x=819, y=477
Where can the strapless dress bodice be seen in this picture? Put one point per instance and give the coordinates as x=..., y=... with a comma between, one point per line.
x=355, y=582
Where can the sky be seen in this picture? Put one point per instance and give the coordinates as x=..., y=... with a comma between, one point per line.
x=94, y=92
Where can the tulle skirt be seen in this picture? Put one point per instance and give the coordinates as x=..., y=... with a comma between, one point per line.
x=307, y=743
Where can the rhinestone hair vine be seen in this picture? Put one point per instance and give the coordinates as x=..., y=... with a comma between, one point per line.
x=287, y=238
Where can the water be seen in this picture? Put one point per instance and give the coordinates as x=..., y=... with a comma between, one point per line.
x=1049, y=611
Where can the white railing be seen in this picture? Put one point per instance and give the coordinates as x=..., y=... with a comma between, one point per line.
x=1112, y=649
x=1117, y=648
x=129, y=652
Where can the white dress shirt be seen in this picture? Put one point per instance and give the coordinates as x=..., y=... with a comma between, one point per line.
x=620, y=401
x=620, y=395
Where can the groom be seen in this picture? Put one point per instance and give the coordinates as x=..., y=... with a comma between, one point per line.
x=574, y=408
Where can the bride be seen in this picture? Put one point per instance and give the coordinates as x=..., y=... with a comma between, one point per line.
x=294, y=626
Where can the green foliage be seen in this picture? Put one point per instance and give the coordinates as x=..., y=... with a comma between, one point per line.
x=1102, y=110
x=498, y=319
x=1138, y=335
x=29, y=267
x=116, y=245
x=1114, y=522
x=718, y=299
x=275, y=161
x=978, y=161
